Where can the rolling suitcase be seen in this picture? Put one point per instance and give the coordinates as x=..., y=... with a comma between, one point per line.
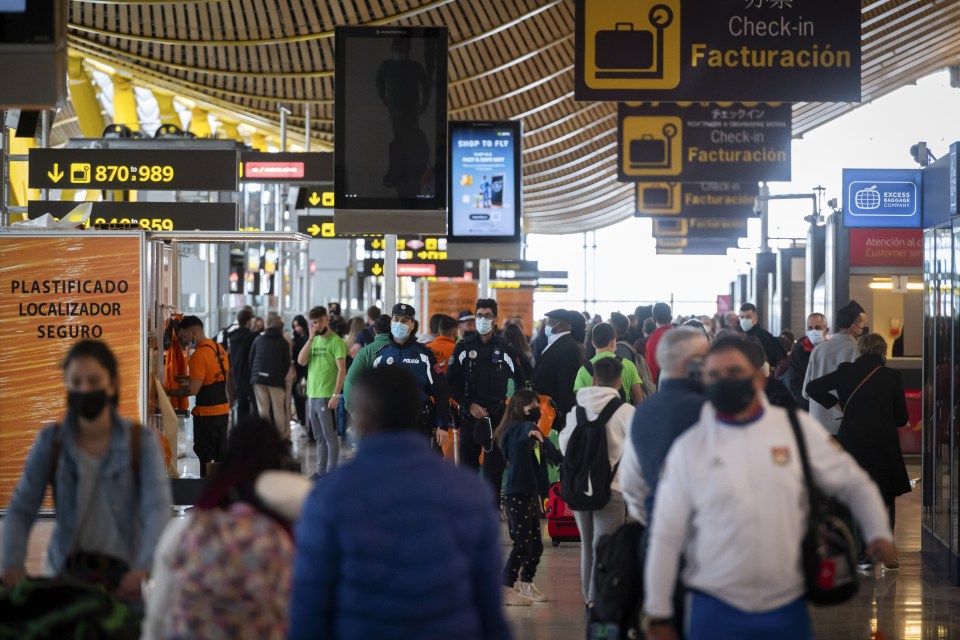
x=561, y=525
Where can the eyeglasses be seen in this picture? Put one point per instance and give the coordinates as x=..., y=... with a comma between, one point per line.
x=485, y=316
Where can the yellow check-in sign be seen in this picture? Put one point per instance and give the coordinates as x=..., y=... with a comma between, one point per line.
x=651, y=146
x=631, y=44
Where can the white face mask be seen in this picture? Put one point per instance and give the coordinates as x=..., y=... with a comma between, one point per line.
x=746, y=324
x=815, y=337
x=484, y=326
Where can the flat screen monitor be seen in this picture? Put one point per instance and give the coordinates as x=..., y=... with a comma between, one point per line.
x=485, y=182
x=390, y=133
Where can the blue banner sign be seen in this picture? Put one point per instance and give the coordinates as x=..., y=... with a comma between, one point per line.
x=881, y=198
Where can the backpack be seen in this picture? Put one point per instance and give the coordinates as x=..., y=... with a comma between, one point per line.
x=589, y=367
x=586, y=475
x=618, y=583
x=48, y=608
x=232, y=571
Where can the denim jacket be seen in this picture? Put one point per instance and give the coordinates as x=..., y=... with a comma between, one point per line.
x=140, y=519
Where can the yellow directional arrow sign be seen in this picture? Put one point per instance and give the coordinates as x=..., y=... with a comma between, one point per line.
x=314, y=230
x=56, y=175
x=377, y=245
x=377, y=269
x=422, y=255
x=315, y=198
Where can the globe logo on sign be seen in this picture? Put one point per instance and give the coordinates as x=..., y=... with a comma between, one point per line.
x=868, y=199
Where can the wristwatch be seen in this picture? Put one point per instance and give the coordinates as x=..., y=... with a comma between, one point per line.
x=647, y=623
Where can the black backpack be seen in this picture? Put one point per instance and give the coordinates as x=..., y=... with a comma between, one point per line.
x=618, y=582
x=586, y=475
x=589, y=367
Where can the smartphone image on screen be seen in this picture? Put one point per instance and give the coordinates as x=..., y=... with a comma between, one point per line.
x=497, y=186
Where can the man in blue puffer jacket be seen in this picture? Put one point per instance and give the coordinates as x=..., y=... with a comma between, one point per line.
x=399, y=543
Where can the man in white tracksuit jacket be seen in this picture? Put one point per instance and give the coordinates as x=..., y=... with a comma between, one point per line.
x=732, y=501
x=593, y=525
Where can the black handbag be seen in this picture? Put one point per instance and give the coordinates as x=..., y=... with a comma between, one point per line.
x=829, y=564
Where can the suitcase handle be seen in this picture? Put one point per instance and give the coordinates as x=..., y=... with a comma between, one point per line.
x=628, y=25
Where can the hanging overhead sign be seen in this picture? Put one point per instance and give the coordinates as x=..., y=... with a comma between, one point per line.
x=134, y=169
x=689, y=243
x=697, y=199
x=722, y=50
x=700, y=228
x=256, y=166
x=151, y=216
x=882, y=198
x=314, y=197
x=420, y=269
x=698, y=250
x=704, y=142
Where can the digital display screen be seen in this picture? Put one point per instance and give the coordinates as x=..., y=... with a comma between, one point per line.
x=36, y=22
x=390, y=129
x=485, y=188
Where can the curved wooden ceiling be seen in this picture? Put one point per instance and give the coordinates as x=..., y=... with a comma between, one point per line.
x=508, y=60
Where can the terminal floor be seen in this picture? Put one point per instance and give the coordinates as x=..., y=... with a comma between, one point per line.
x=915, y=602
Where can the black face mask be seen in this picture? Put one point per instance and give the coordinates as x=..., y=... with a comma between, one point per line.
x=731, y=396
x=533, y=415
x=87, y=405
x=865, y=330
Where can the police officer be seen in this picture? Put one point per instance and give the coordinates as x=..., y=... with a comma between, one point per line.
x=404, y=351
x=481, y=367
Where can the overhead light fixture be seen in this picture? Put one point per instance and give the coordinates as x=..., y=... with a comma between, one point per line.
x=915, y=286
x=888, y=286
x=883, y=279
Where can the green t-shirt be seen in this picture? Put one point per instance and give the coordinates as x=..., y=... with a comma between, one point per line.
x=322, y=366
x=629, y=377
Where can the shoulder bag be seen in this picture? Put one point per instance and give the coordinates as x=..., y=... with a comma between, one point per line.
x=829, y=567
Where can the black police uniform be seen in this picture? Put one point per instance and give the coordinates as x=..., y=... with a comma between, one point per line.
x=479, y=374
x=420, y=361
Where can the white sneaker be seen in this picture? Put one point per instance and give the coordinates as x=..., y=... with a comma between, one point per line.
x=512, y=598
x=529, y=591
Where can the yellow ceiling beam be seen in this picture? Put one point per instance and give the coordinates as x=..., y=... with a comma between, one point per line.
x=255, y=118
x=168, y=112
x=84, y=98
x=200, y=123
x=125, y=102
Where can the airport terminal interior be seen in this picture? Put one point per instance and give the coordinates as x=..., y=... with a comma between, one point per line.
x=243, y=242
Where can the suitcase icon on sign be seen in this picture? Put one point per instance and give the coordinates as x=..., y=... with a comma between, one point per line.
x=649, y=152
x=626, y=52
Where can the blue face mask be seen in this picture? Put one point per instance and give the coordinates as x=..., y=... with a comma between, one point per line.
x=548, y=330
x=399, y=330
x=484, y=326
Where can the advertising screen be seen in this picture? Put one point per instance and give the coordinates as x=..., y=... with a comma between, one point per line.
x=485, y=181
x=391, y=110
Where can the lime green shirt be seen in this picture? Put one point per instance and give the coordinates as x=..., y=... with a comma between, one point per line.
x=629, y=377
x=322, y=366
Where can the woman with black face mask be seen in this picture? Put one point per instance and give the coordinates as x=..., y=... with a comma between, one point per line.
x=109, y=481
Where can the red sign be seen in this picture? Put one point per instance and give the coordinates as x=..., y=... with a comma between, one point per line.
x=417, y=270
x=273, y=170
x=886, y=248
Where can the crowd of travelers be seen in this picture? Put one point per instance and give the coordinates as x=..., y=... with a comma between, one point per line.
x=717, y=440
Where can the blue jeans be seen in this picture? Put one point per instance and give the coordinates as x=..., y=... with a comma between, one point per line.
x=711, y=619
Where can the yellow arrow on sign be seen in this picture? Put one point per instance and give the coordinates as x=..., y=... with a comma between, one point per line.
x=377, y=269
x=56, y=175
x=314, y=199
x=314, y=230
x=377, y=245
x=422, y=255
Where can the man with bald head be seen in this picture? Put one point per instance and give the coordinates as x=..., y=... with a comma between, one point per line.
x=661, y=418
x=793, y=377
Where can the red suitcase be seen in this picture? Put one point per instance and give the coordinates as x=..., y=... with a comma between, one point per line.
x=560, y=523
